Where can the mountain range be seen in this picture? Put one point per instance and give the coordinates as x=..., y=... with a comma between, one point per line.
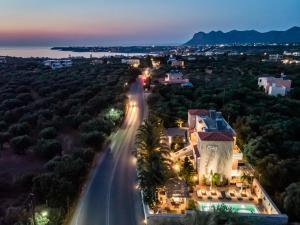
x=291, y=35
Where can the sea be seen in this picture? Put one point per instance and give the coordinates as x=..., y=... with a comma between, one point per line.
x=46, y=52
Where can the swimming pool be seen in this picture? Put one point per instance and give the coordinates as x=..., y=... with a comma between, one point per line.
x=236, y=207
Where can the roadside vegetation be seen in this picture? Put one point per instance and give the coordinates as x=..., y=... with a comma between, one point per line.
x=268, y=127
x=153, y=158
x=52, y=123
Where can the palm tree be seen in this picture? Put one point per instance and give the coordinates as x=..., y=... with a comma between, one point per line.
x=153, y=158
x=179, y=122
x=245, y=178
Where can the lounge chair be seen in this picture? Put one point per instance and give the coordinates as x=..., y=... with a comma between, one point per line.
x=199, y=194
x=213, y=193
x=220, y=196
x=239, y=197
x=209, y=196
x=232, y=194
x=228, y=197
x=223, y=195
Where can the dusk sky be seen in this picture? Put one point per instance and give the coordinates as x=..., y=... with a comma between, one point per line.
x=135, y=22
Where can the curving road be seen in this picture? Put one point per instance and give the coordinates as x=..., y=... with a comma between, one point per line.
x=111, y=197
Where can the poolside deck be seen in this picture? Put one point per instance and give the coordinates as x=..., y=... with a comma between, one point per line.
x=201, y=193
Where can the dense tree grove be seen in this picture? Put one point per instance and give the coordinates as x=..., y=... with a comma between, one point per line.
x=60, y=117
x=268, y=127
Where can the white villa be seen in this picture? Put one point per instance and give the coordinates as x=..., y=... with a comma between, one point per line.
x=214, y=144
x=131, y=62
x=177, y=63
x=275, y=86
x=275, y=57
x=175, y=77
x=58, y=63
x=210, y=144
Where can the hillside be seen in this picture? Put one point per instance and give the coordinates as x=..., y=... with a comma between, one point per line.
x=242, y=37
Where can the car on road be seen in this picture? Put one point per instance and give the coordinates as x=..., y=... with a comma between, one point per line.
x=132, y=104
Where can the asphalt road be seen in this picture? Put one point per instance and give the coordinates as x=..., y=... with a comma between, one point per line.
x=111, y=197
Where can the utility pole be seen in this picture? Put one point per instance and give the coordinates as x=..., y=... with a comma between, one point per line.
x=32, y=205
x=224, y=96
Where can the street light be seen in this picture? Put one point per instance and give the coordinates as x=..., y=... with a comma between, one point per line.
x=44, y=213
x=195, y=178
x=176, y=167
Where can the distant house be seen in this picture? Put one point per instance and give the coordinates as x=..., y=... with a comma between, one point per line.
x=275, y=57
x=209, y=53
x=209, y=70
x=275, y=86
x=191, y=58
x=2, y=59
x=132, y=62
x=97, y=61
x=155, y=63
x=58, y=63
x=233, y=53
x=175, y=77
x=291, y=53
x=177, y=63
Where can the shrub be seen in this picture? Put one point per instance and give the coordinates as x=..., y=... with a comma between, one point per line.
x=4, y=137
x=24, y=181
x=92, y=139
x=48, y=148
x=191, y=205
x=19, y=129
x=48, y=133
x=87, y=154
x=20, y=144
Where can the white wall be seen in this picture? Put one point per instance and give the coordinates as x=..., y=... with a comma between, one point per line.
x=274, y=90
x=266, y=200
x=210, y=157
